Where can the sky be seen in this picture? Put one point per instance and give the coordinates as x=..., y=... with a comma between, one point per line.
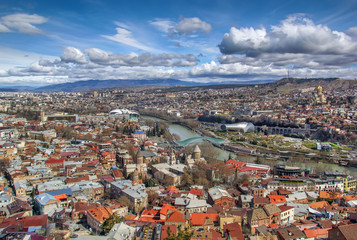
x=48, y=42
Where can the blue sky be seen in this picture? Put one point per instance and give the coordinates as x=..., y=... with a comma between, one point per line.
x=45, y=42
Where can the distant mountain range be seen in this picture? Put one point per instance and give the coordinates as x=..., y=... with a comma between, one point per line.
x=282, y=85
x=99, y=84
x=15, y=88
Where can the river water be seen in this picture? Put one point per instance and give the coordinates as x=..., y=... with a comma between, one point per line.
x=185, y=133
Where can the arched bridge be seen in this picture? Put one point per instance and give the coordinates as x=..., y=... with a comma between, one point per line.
x=195, y=139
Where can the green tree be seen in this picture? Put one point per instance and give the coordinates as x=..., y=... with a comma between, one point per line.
x=151, y=182
x=111, y=221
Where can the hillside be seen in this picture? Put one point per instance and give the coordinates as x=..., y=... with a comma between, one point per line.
x=290, y=84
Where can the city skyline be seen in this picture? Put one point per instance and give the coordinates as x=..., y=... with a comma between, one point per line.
x=45, y=43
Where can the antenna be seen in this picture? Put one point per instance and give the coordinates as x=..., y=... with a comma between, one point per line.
x=288, y=74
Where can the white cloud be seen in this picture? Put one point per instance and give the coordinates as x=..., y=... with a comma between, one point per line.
x=102, y=57
x=245, y=40
x=125, y=37
x=189, y=26
x=186, y=26
x=264, y=71
x=296, y=34
x=74, y=55
x=352, y=31
x=3, y=28
x=24, y=23
x=10, y=58
x=164, y=25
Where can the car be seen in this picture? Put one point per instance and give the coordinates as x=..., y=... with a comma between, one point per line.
x=74, y=236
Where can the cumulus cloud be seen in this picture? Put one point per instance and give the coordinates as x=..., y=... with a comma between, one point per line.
x=124, y=36
x=264, y=71
x=186, y=26
x=21, y=22
x=74, y=55
x=102, y=57
x=93, y=63
x=352, y=31
x=296, y=34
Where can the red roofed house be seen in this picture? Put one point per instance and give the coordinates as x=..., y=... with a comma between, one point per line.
x=317, y=233
x=204, y=219
x=51, y=162
x=176, y=218
x=150, y=215
x=80, y=209
x=76, y=179
x=165, y=211
x=96, y=216
x=234, y=231
x=117, y=174
x=172, y=189
x=277, y=199
x=24, y=224
x=198, y=192
x=235, y=163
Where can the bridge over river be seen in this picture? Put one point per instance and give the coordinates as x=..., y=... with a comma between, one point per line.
x=200, y=138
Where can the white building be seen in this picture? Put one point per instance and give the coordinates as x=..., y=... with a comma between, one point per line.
x=286, y=215
x=242, y=127
x=329, y=185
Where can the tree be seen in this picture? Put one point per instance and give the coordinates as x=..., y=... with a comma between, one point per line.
x=152, y=197
x=151, y=182
x=187, y=179
x=242, y=179
x=111, y=221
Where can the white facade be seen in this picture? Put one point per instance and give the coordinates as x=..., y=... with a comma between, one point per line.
x=287, y=215
x=329, y=185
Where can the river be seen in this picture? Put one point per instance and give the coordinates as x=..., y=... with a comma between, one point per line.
x=185, y=133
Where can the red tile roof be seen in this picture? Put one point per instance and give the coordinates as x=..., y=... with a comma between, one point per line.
x=235, y=163
x=198, y=219
x=284, y=208
x=196, y=192
x=320, y=204
x=316, y=233
x=176, y=217
x=234, y=230
x=172, y=189
x=100, y=213
x=165, y=208
x=277, y=198
x=77, y=179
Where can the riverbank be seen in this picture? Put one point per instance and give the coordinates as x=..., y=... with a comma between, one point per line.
x=313, y=166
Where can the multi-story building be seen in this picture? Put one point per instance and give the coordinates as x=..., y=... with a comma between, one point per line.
x=96, y=217
x=220, y=196
x=286, y=214
x=328, y=184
